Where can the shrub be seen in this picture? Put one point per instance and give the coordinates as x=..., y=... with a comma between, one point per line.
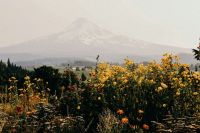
x=157, y=89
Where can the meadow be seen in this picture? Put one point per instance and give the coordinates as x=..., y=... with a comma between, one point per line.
x=156, y=97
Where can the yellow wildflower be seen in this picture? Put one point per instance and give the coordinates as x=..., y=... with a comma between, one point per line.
x=164, y=85
x=195, y=93
x=78, y=107
x=99, y=98
x=140, y=111
x=164, y=105
x=178, y=93
x=159, y=89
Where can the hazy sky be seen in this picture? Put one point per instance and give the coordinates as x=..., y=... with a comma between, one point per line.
x=171, y=22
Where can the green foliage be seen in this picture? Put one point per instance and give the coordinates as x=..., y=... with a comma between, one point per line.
x=10, y=70
x=49, y=75
x=68, y=78
x=197, y=53
x=83, y=77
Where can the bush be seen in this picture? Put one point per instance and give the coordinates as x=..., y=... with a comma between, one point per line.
x=150, y=92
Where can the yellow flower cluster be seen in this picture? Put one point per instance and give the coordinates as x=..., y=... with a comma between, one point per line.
x=168, y=78
x=24, y=99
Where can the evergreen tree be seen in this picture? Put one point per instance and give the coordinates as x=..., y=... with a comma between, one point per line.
x=8, y=70
x=8, y=63
x=83, y=77
x=197, y=52
x=2, y=73
x=196, y=68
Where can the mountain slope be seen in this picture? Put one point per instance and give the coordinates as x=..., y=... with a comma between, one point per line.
x=86, y=40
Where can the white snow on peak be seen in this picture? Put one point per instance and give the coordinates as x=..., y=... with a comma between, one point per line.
x=85, y=31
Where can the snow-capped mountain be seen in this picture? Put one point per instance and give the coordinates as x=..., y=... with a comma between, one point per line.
x=84, y=31
x=85, y=39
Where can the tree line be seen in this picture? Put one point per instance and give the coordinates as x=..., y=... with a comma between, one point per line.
x=49, y=75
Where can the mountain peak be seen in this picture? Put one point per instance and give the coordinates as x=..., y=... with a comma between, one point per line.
x=85, y=31
x=81, y=23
